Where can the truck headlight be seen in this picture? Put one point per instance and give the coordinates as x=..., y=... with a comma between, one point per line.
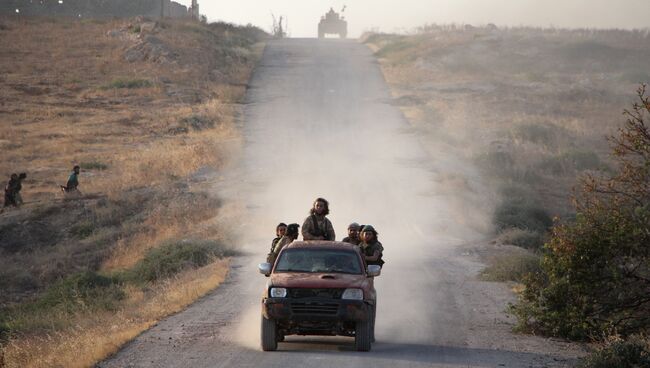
x=352, y=294
x=278, y=292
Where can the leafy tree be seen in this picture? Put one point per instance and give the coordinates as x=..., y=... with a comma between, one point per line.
x=595, y=272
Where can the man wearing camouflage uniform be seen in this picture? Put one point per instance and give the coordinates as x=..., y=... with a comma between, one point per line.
x=289, y=236
x=317, y=226
x=371, y=248
x=280, y=230
x=353, y=234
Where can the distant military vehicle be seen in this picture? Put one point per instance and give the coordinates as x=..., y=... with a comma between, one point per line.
x=332, y=23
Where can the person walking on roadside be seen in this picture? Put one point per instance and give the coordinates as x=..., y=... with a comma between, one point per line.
x=10, y=191
x=73, y=181
x=316, y=226
x=19, y=186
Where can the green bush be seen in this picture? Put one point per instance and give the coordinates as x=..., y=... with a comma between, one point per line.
x=595, y=269
x=572, y=161
x=5, y=332
x=543, y=134
x=83, y=229
x=128, y=83
x=497, y=163
x=633, y=352
x=521, y=213
x=93, y=165
x=395, y=45
x=523, y=238
x=85, y=290
x=197, y=122
x=512, y=267
x=174, y=257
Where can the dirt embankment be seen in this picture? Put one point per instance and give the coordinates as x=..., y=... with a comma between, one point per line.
x=149, y=111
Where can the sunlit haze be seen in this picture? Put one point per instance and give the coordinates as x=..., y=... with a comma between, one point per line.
x=403, y=15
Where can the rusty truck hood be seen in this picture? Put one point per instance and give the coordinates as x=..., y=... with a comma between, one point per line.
x=318, y=280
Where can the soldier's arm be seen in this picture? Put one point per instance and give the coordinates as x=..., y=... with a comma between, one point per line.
x=376, y=254
x=306, y=230
x=330, y=229
x=279, y=245
x=374, y=257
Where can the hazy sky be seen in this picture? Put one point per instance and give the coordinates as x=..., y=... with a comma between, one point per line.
x=401, y=15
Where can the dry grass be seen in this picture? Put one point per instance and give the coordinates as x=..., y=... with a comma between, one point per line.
x=60, y=113
x=93, y=337
x=531, y=107
x=141, y=130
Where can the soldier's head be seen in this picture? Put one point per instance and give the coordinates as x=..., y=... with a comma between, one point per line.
x=292, y=231
x=321, y=207
x=14, y=176
x=281, y=229
x=353, y=230
x=76, y=169
x=368, y=234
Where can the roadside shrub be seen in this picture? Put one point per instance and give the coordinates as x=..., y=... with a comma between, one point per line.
x=522, y=238
x=23, y=280
x=197, y=122
x=85, y=290
x=572, y=161
x=83, y=229
x=547, y=135
x=521, y=213
x=583, y=160
x=172, y=258
x=497, y=163
x=128, y=83
x=595, y=269
x=4, y=336
x=511, y=267
x=633, y=352
x=395, y=45
x=243, y=36
x=93, y=165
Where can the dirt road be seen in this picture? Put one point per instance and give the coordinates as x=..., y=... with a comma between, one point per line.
x=319, y=122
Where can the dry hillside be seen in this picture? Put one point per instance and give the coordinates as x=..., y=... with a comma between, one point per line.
x=529, y=107
x=149, y=111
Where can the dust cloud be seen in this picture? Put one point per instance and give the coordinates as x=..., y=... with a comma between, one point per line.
x=313, y=134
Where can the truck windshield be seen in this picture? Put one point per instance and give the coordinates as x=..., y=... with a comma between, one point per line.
x=319, y=260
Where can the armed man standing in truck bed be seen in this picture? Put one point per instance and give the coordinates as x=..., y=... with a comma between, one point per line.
x=316, y=225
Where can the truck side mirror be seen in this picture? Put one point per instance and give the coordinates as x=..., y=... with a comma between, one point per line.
x=374, y=270
x=265, y=269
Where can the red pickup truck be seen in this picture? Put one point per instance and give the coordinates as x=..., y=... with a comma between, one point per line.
x=319, y=288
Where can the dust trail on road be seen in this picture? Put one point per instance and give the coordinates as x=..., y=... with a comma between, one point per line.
x=327, y=129
x=319, y=123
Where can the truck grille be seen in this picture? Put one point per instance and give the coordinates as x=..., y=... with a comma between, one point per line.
x=315, y=293
x=315, y=308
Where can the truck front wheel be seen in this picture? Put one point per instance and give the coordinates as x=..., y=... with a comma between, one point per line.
x=269, y=335
x=362, y=335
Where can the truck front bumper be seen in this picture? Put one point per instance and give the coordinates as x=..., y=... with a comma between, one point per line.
x=315, y=309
